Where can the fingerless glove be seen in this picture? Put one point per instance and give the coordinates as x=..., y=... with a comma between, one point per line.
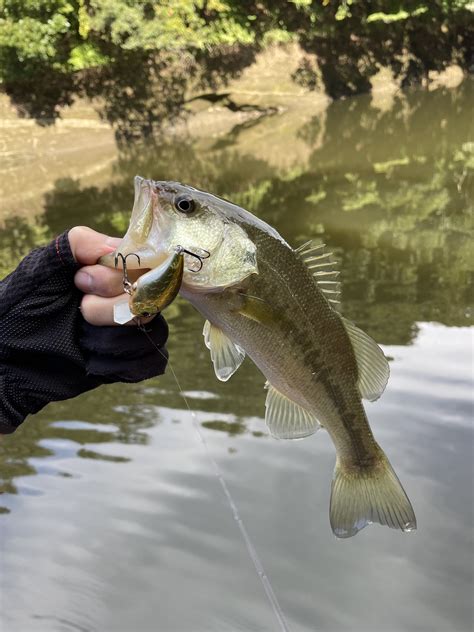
x=48, y=352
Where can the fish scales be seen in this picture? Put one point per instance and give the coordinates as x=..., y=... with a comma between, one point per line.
x=262, y=298
x=304, y=319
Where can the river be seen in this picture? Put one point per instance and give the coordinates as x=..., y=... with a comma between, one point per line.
x=114, y=517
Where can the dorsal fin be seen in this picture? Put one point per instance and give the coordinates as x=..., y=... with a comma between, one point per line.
x=324, y=269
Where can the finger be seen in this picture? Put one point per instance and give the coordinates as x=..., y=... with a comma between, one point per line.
x=99, y=310
x=99, y=280
x=88, y=245
x=103, y=281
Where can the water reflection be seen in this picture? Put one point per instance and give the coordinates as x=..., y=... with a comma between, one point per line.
x=392, y=198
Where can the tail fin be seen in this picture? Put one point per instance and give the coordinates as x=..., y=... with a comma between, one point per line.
x=360, y=497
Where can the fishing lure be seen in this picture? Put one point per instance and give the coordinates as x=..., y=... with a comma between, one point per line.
x=156, y=289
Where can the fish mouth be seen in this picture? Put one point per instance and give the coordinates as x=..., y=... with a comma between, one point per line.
x=141, y=238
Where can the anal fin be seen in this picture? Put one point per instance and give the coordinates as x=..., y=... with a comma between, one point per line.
x=287, y=419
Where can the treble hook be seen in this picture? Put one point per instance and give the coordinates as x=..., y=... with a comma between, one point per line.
x=127, y=284
x=180, y=249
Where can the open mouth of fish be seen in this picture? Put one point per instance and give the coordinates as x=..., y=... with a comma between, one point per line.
x=141, y=237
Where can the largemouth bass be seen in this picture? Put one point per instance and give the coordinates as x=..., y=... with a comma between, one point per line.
x=262, y=298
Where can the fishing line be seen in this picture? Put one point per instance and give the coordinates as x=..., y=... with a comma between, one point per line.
x=275, y=604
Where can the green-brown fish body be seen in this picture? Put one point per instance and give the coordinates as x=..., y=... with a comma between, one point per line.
x=262, y=298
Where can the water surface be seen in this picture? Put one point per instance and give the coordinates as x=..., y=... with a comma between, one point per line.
x=113, y=516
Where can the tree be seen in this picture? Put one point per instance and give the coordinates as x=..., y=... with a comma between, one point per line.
x=140, y=56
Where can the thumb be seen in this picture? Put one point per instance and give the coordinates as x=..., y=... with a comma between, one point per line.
x=88, y=245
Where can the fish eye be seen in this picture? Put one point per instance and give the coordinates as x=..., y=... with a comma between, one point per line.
x=184, y=203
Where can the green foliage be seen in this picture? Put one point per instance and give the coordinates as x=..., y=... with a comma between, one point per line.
x=352, y=39
x=277, y=36
x=175, y=25
x=53, y=50
x=85, y=56
x=35, y=30
x=391, y=192
x=137, y=55
x=394, y=17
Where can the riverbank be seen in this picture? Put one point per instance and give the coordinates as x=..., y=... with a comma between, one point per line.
x=262, y=110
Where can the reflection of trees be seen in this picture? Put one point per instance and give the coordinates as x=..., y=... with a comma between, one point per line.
x=17, y=238
x=138, y=59
x=123, y=426
x=391, y=194
x=109, y=208
x=352, y=40
x=111, y=417
x=403, y=217
x=389, y=191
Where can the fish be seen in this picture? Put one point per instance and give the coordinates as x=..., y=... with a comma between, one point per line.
x=278, y=305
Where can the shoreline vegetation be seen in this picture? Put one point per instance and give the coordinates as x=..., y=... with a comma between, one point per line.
x=148, y=68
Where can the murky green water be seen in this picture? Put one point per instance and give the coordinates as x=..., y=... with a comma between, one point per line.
x=114, y=517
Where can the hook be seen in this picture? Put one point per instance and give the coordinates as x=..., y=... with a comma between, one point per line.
x=180, y=250
x=127, y=284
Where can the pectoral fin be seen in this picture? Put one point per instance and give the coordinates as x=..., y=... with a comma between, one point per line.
x=226, y=356
x=256, y=309
x=286, y=419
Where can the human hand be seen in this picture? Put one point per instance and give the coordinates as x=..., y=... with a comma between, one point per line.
x=48, y=350
x=102, y=286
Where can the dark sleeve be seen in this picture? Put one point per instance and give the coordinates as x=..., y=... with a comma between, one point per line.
x=47, y=350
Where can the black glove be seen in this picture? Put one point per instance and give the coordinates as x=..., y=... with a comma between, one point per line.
x=48, y=352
